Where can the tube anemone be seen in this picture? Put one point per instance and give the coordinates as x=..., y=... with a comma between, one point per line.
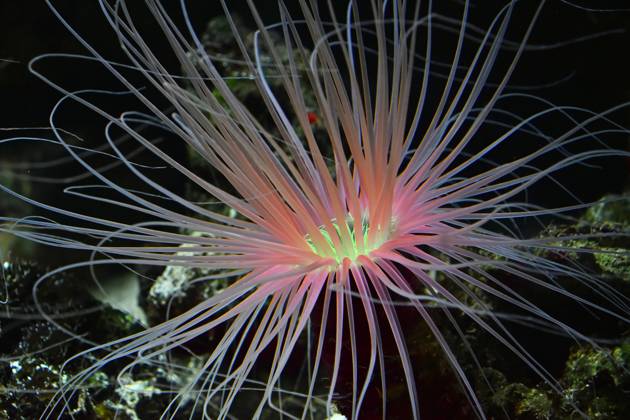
x=370, y=181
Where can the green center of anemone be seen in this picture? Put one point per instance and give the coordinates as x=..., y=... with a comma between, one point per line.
x=349, y=244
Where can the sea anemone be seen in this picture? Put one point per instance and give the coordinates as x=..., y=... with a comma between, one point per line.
x=375, y=176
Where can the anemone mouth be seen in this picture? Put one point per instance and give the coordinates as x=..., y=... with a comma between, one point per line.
x=350, y=240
